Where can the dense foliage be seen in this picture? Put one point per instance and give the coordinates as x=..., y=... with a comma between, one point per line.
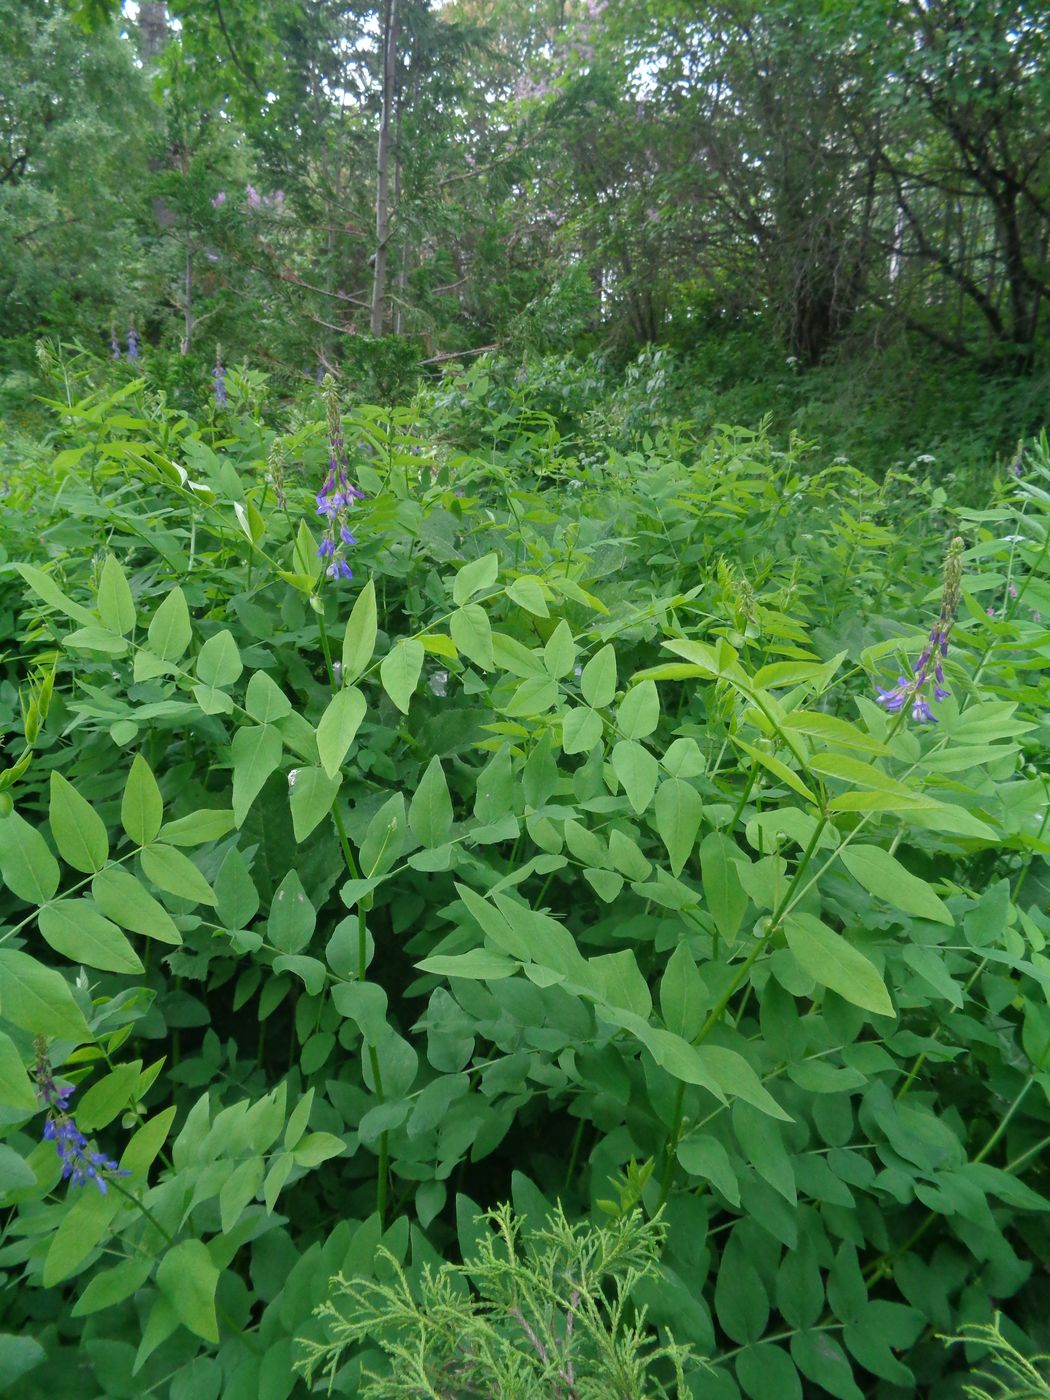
x=510, y=884
x=581, y=852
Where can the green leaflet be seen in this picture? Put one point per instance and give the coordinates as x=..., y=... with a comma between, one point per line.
x=79, y=832
x=836, y=964
x=399, y=671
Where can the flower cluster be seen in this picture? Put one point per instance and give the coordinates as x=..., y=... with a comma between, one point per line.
x=338, y=494
x=218, y=374
x=79, y=1164
x=913, y=693
x=133, y=345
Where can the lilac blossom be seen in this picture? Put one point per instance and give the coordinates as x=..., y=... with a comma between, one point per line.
x=337, y=496
x=911, y=693
x=253, y=197
x=219, y=200
x=79, y=1163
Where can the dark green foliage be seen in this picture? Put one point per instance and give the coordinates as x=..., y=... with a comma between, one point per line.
x=563, y=857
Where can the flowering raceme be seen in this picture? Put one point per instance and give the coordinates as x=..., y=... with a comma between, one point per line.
x=913, y=693
x=218, y=374
x=338, y=494
x=79, y=1164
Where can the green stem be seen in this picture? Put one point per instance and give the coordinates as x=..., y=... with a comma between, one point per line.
x=674, y=1137
x=326, y=648
x=144, y=1209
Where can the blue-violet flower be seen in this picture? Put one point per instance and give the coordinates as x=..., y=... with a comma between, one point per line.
x=912, y=693
x=219, y=376
x=79, y=1163
x=338, y=494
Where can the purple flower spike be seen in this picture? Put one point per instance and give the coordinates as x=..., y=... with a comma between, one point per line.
x=218, y=374
x=133, y=344
x=912, y=693
x=338, y=494
x=78, y=1163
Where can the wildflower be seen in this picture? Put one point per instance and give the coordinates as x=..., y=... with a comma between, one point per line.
x=338, y=494
x=911, y=693
x=79, y=1163
x=133, y=343
x=114, y=345
x=219, y=200
x=1013, y=590
x=219, y=375
x=253, y=197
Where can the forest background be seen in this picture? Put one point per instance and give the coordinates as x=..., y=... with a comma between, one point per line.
x=833, y=213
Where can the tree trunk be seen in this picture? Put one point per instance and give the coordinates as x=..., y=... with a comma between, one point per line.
x=383, y=166
x=153, y=28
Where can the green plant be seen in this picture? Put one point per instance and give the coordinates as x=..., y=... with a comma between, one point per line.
x=535, y=1312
